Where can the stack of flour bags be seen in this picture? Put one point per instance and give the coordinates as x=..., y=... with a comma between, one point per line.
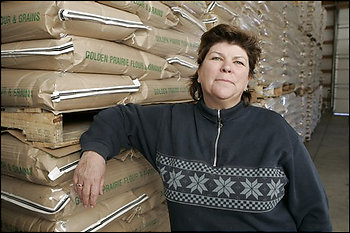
x=78, y=56
x=73, y=57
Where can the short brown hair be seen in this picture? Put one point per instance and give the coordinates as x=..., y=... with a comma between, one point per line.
x=233, y=35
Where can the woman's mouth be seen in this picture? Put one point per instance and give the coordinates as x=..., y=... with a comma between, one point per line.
x=225, y=80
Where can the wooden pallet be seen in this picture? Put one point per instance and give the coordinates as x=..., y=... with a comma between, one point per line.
x=264, y=92
x=45, y=128
x=288, y=88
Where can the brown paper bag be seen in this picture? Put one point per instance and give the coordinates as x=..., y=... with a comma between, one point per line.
x=30, y=20
x=161, y=91
x=63, y=92
x=13, y=220
x=60, y=201
x=151, y=13
x=188, y=23
x=185, y=65
x=222, y=10
x=144, y=199
x=85, y=55
x=20, y=159
x=163, y=42
x=211, y=20
x=196, y=8
x=155, y=220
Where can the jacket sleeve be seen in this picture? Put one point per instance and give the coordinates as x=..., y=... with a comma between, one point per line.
x=123, y=126
x=307, y=198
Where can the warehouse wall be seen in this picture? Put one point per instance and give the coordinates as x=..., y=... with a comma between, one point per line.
x=335, y=90
x=340, y=72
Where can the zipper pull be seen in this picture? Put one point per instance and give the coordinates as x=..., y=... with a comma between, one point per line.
x=220, y=123
x=219, y=120
x=217, y=139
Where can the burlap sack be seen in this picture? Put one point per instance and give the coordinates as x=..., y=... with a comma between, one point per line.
x=63, y=92
x=124, y=206
x=163, y=42
x=151, y=13
x=85, y=55
x=52, y=203
x=185, y=65
x=30, y=20
x=161, y=91
x=20, y=159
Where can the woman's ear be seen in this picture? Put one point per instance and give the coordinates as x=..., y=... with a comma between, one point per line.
x=198, y=77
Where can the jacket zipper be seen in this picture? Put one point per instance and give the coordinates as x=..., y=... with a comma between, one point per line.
x=217, y=139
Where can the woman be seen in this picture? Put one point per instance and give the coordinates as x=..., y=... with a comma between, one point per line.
x=225, y=165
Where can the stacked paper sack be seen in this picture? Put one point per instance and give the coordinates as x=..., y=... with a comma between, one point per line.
x=79, y=58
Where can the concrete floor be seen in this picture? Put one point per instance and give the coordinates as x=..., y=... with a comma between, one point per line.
x=329, y=149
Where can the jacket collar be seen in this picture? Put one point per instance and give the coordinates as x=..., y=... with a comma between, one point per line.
x=225, y=114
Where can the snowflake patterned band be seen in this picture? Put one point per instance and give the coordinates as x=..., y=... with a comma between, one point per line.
x=230, y=188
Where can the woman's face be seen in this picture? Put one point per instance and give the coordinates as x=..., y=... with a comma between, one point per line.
x=223, y=75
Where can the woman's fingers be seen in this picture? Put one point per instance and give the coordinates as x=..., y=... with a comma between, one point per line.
x=88, y=178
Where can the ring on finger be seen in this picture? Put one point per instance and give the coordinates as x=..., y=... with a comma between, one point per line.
x=80, y=185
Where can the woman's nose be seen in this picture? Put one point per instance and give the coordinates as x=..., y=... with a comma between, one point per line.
x=226, y=68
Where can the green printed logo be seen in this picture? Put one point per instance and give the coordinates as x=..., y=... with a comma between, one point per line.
x=131, y=178
x=77, y=200
x=29, y=17
x=25, y=171
x=17, y=92
x=147, y=172
x=178, y=42
x=170, y=90
x=119, y=60
x=100, y=57
x=96, y=56
x=21, y=18
x=148, y=8
x=138, y=65
x=5, y=20
x=154, y=68
x=112, y=186
x=128, y=179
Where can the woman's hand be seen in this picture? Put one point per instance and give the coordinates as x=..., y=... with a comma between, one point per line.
x=89, y=177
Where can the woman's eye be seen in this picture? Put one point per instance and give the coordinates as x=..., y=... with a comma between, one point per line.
x=239, y=62
x=216, y=58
